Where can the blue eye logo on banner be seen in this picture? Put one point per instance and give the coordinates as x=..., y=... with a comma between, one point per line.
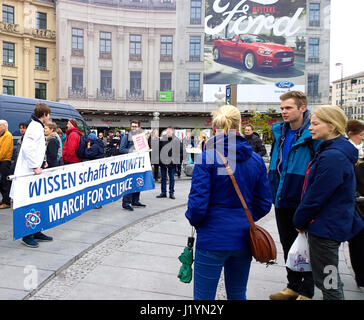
x=32, y=219
x=139, y=182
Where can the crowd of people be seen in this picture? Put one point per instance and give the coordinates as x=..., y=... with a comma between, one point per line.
x=315, y=182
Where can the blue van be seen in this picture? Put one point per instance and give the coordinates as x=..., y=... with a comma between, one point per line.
x=16, y=110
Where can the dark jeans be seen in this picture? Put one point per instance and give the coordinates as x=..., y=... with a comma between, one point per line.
x=131, y=198
x=300, y=282
x=324, y=259
x=5, y=184
x=171, y=170
x=156, y=171
x=356, y=250
x=208, y=266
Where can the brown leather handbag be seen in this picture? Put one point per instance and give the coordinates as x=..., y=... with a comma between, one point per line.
x=261, y=243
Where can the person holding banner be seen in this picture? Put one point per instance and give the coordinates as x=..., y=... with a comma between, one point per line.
x=127, y=146
x=6, y=151
x=32, y=159
x=52, y=144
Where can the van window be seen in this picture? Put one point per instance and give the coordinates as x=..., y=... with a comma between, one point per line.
x=62, y=123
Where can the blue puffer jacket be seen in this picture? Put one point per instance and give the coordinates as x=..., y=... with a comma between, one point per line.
x=213, y=205
x=327, y=207
x=96, y=151
x=286, y=185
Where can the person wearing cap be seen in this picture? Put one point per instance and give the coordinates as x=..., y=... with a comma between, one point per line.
x=72, y=142
x=95, y=148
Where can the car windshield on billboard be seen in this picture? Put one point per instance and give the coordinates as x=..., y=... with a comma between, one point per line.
x=258, y=45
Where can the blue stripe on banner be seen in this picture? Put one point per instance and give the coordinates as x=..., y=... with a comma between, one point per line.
x=49, y=214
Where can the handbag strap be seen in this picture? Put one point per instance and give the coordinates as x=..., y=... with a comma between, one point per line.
x=237, y=189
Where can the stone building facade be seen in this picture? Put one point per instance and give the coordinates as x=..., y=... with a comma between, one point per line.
x=28, y=48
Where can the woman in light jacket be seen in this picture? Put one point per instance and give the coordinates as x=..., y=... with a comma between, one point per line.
x=327, y=211
x=216, y=212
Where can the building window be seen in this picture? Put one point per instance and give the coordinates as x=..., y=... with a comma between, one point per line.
x=166, y=81
x=105, y=45
x=106, y=81
x=40, y=90
x=166, y=1
x=41, y=20
x=166, y=48
x=195, y=13
x=314, y=15
x=313, y=50
x=194, y=84
x=195, y=48
x=8, y=53
x=135, y=82
x=77, y=79
x=313, y=84
x=77, y=42
x=135, y=51
x=9, y=87
x=40, y=58
x=8, y=14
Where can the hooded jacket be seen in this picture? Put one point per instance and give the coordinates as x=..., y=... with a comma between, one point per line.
x=327, y=207
x=214, y=208
x=286, y=182
x=70, y=146
x=96, y=151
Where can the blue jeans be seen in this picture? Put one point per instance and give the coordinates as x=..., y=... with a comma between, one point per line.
x=207, y=271
x=171, y=171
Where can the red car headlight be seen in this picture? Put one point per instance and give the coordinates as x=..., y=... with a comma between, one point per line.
x=265, y=52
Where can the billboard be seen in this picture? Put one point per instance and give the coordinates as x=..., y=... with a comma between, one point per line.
x=258, y=45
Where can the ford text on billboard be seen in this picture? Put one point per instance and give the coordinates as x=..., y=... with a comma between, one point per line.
x=254, y=44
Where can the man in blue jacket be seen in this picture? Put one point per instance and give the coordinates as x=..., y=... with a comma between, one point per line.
x=292, y=150
x=127, y=146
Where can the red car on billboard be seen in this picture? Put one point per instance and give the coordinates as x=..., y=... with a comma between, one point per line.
x=253, y=51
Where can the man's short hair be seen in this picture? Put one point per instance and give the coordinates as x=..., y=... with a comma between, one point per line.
x=249, y=125
x=23, y=124
x=41, y=109
x=135, y=121
x=111, y=131
x=299, y=97
x=4, y=122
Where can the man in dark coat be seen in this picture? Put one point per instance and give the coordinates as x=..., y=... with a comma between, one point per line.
x=254, y=140
x=170, y=149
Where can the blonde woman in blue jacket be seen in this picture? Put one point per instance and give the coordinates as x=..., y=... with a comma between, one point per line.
x=327, y=211
x=216, y=211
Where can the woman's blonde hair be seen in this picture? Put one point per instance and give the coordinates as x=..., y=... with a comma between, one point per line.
x=226, y=118
x=332, y=115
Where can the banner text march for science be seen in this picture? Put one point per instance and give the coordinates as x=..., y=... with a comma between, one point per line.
x=60, y=194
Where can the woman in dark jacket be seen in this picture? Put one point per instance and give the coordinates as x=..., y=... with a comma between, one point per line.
x=327, y=211
x=52, y=144
x=95, y=148
x=216, y=212
x=355, y=132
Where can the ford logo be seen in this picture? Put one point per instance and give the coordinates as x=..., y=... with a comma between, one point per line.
x=284, y=84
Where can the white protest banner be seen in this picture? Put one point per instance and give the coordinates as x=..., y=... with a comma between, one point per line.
x=60, y=194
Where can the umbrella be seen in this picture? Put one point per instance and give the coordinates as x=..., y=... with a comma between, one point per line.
x=186, y=258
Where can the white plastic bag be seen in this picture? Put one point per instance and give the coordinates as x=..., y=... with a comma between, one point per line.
x=298, y=258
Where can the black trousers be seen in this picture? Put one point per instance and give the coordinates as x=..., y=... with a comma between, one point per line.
x=5, y=184
x=300, y=282
x=356, y=250
x=131, y=198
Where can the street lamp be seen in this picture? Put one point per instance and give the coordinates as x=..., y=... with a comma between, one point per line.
x=339, y=64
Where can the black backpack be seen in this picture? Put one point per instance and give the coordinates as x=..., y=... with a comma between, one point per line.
x=80, y=152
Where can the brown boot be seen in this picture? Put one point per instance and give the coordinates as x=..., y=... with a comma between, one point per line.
x=285, y=294
x=303, y=298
